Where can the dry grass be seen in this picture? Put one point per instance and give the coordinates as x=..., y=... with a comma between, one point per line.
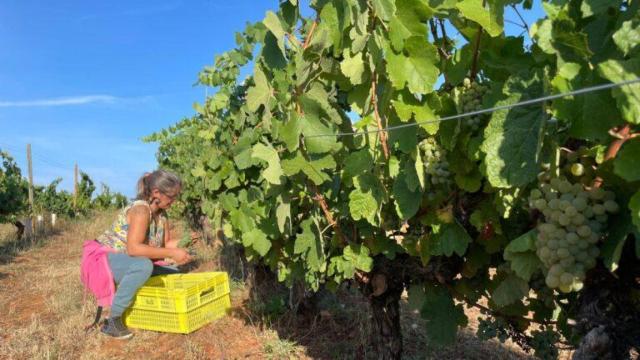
x=43, y=315
x=11, y=245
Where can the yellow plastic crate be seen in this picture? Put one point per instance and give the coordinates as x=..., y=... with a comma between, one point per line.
x=181, y=292
x=173, y=322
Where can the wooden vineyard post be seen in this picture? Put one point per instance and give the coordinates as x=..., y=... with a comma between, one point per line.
x=31, y=214
x=75, y=188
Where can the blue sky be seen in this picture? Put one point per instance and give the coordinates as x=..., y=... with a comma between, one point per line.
x=83, y=81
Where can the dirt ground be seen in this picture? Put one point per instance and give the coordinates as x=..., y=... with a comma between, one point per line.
x=43, y=312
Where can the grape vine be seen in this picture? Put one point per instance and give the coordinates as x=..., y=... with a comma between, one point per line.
x=458, y=207
x=13, y=190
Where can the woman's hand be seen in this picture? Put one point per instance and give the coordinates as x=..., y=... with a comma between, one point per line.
x=195, y=237
x=180, y=256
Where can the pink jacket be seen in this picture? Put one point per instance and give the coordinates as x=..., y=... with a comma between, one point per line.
x=95, y=272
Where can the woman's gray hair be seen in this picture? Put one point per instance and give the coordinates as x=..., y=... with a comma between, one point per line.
x=163, y=180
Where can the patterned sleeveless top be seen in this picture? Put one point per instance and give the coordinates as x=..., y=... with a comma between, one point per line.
x=116, y=236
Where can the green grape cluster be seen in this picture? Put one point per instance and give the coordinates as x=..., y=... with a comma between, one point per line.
x=470, y=99
x=435, y=162
x=579, y=165
x=574, y=220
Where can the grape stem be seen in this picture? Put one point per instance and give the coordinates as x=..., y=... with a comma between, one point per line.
x=374, y=103
x=319, y=198
x=308, y=39
x=476, y=51
x=441, y=49
x=445, y=41
x=524, y=23
x=621, y=136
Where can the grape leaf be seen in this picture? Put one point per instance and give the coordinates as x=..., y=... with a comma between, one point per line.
x=523, y=243
x=394, y=167
x=241, y=221
x=469, y=182
x=358, y=255
x=408, y=22
x=419, y=169
x=274, y=24
x=541, y=32
x=363, y=205
x=634, y=206
x=384, y=9
x=408, y=107
x=199, y=171
x=353, y=67
x=594, y=7
x=407, y=202
x=257, y=240
x=510, y=290
x=524, y=264
x=411, y=176
x=260, y=92
x=416, y=297
x=357, y=163
x=513, y=137
x=561, y=37
x=418, y=70
x=490, y=16
x=448, y=239
x=442, y=315
x=628, y=96
x=596, y=106
x=273, y=172
x=627, y=37
x=312, y=169
x=360, y=98
x=620, y=228
x=579, y=111
x=228, y=201
x=316, y=139
x=626, y=163
x=475, y=259
x=309, y=244
x=283, y=213
x=290, y=133
x=405, y=138
x=331, y=25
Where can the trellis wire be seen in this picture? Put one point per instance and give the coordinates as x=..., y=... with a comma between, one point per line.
x=489, y=110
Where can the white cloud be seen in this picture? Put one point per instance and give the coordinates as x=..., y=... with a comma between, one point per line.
x=62, y=101
x=78, y=100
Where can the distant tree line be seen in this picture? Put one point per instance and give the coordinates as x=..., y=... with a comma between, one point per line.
x=14, y=196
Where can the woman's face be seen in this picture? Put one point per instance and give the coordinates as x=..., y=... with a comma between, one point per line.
x=164, y=200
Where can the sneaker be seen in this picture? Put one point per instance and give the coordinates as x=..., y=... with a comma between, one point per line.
x=115, y=328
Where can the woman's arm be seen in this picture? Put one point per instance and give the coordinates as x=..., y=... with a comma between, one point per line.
x=139, y=218
x=169, y=241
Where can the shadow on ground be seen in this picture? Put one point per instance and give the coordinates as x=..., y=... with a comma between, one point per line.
x=11, y=247
x=337, y=326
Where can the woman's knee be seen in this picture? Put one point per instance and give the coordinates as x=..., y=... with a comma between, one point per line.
x=142, y=265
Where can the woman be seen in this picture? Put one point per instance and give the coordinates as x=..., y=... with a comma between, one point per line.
x=139, y=236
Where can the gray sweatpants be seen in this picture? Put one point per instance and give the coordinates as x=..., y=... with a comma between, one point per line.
x=130, y=273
